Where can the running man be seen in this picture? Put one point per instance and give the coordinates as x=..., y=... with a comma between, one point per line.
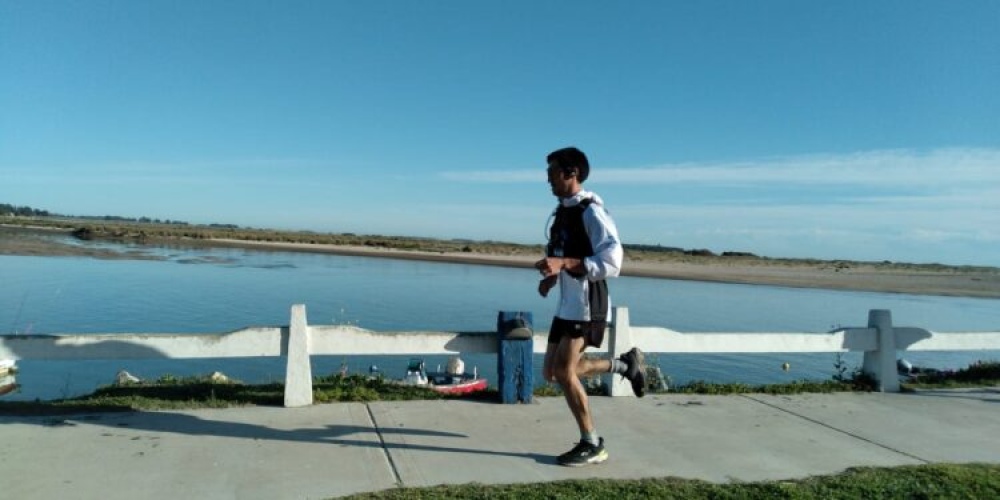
x=582, y=252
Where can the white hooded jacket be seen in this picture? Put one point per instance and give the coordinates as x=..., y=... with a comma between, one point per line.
x=605, y=263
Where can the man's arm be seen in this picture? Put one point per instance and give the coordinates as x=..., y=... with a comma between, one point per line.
x=608, y=251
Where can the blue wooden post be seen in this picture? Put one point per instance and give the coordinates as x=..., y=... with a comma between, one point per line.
x=514, y=354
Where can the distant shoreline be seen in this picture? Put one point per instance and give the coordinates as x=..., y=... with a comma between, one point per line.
x=978, y=282
x=823, y=275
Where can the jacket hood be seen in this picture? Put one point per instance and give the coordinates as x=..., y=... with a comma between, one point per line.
x=575, y=200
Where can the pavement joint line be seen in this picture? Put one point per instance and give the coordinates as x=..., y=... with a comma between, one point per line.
x=842, y=431
x=385, y=450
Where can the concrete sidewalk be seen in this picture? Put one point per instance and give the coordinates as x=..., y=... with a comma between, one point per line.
x=331, y=450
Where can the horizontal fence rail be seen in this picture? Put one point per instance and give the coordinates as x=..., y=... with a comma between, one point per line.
x=663, y=340
x=248, y=342
x=879, y=341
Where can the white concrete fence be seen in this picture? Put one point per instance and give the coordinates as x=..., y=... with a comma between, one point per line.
x=879, y=341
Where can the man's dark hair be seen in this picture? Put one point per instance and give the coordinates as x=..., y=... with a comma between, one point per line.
x=571, y=158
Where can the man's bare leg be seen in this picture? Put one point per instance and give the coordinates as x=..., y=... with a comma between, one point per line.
x=568, y=367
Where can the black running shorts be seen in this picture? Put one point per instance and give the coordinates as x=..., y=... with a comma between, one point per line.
x=592, y=331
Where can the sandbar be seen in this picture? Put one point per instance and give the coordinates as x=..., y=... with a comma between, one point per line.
x=960, y=281
x=950, y=281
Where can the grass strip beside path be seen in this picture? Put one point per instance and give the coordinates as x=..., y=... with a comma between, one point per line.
x=922, y=481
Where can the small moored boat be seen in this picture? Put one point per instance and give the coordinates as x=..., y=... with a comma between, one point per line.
x=7, y=366
x=7, y=384
x=452, y=381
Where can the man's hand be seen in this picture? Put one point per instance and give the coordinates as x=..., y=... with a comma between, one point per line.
x=546, y=284
x=550, y=266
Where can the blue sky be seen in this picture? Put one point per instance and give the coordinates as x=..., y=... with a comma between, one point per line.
x=855, y=129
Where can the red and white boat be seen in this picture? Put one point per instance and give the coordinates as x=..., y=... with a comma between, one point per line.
x=454, y=380
x=8, y=367
x=7, y=384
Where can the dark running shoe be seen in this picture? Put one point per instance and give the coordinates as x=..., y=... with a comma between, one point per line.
x=636, y=372
x=584, y=453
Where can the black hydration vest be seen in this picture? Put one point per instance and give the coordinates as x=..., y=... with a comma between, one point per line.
x=568, y=238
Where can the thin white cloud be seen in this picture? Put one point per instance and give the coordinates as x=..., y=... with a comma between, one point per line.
x=949, y=166
x=495, y=177
x=877, y=168
x=938, y=205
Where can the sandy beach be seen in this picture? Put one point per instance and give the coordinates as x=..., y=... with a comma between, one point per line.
x=900, y=278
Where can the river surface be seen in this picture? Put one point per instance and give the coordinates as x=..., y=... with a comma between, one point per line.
x=209, y=290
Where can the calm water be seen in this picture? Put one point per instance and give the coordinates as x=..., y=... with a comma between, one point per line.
x=219, y=290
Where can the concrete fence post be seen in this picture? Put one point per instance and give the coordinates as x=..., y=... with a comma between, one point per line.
x=298, y=373
x=619, y=341
x=880, y=364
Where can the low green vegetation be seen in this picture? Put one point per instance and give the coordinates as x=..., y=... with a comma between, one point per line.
x=170, y=392
x=797, y=387
x=978, y=374
x=923, y=481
